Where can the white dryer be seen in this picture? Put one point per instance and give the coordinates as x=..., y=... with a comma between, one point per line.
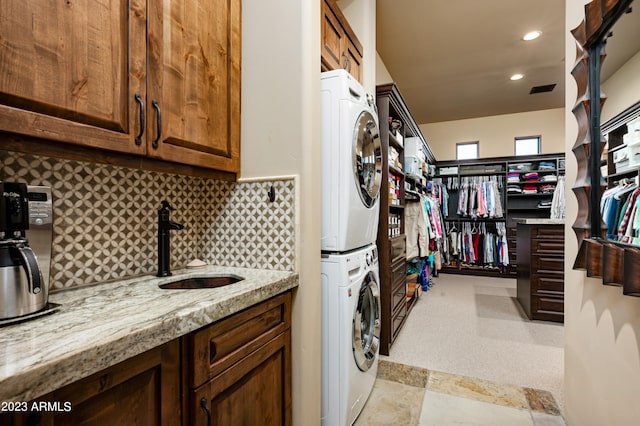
x=351, y=164
x=350, y=333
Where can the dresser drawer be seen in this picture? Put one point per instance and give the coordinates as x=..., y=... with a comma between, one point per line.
x=220, y=345
x=398, y=273
x=547, y=246
x=541, y=304
x=556, y=232
x=398, y=296
x=398, y=318
x=542, y=263
x=398, y=249
x=548, y=282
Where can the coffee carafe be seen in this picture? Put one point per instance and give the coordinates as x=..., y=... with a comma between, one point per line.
x=25, y=215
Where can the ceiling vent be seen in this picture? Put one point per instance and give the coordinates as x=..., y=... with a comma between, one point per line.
x=542, y=89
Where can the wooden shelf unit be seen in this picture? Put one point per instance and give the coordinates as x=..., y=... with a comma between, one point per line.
x=395, y=306
x=515, y=205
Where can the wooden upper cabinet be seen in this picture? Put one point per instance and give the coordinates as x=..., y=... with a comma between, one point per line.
x=194, y=82
x=158, y=78
x=69, y=70
x=340, y=46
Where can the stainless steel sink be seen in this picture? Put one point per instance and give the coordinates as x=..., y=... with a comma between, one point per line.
x=202, y=282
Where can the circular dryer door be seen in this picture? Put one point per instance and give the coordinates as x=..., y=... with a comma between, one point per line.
x=366, y=323
x=367, y=158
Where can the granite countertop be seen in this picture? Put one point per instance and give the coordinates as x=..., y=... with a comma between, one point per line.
x=99, y=326
x=539, y=221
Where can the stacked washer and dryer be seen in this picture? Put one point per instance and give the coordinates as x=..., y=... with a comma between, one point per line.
x=351, y=179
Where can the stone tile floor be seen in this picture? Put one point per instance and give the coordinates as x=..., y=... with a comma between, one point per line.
x=406, y=395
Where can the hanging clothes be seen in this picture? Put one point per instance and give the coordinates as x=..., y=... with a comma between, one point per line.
x=424, y=226
x=481, y=197
x=619, y=211
x=415, y=229
x=484, y=245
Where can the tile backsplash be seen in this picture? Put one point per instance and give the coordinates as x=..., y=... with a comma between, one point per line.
x=105, y=219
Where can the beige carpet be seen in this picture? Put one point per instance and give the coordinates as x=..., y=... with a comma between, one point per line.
x=474, y=326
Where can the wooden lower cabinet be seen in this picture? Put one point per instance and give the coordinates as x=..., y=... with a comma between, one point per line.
x=238, y=370
x=254, y=391
x=144, y=390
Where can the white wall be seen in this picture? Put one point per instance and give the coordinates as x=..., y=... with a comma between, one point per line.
x=281, y=136
x=496, y=134
x=622, y=89
x=382, y=73
x=602, y=327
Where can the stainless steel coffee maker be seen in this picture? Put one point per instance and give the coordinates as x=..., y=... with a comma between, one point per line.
x=26, y=233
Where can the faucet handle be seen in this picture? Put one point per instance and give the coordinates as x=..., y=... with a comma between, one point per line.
x=166, y=205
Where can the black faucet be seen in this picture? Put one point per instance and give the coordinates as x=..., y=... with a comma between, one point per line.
x=164, y=226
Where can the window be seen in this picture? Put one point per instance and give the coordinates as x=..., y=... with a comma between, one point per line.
x=528, y=146
x=466, y=150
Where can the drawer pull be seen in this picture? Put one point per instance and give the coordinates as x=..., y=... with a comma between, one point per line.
x=158, y=124
x=139, y=101
x=205, y=406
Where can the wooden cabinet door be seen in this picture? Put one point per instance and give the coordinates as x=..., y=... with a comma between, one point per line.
x=254, y=391
x=194, y=82
x=354, y=61
x=332, y=40
x=144, y=390
x=69, y=70
x=340, y=47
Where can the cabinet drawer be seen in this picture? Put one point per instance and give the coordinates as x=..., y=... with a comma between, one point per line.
x=398, y=295
x=542, y=304
x=543, y=263
x=398, y=272
x=398, y=318
x=548, y=232
x=552, y=283
x=220, y=345
x=547, y=246
x=398, y=249
x=512, y=231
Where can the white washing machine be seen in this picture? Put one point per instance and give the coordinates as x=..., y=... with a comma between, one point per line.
x=350, y=333
x=351, y=164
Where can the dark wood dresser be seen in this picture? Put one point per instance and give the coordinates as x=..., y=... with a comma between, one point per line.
x=540, y=254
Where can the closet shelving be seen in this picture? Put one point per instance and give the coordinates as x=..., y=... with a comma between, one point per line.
x=396, y=124
x=623, y=172
x=457, y=176
x=617, y=168
x=516, y=205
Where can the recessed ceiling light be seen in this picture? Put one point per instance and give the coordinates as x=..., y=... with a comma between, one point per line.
x=516, y=77
x=532, y=35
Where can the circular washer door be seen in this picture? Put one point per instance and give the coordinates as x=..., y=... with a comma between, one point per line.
x=367, y=158
x=366, y=323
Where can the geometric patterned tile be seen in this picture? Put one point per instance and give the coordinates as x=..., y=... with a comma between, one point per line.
x=105, y=219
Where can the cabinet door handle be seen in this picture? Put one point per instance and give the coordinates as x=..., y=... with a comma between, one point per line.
x=347, y=62
x=158, y=124
x=139, y=101
x=205, y=406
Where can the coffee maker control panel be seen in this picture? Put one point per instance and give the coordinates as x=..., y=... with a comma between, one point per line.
x=40, y=205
